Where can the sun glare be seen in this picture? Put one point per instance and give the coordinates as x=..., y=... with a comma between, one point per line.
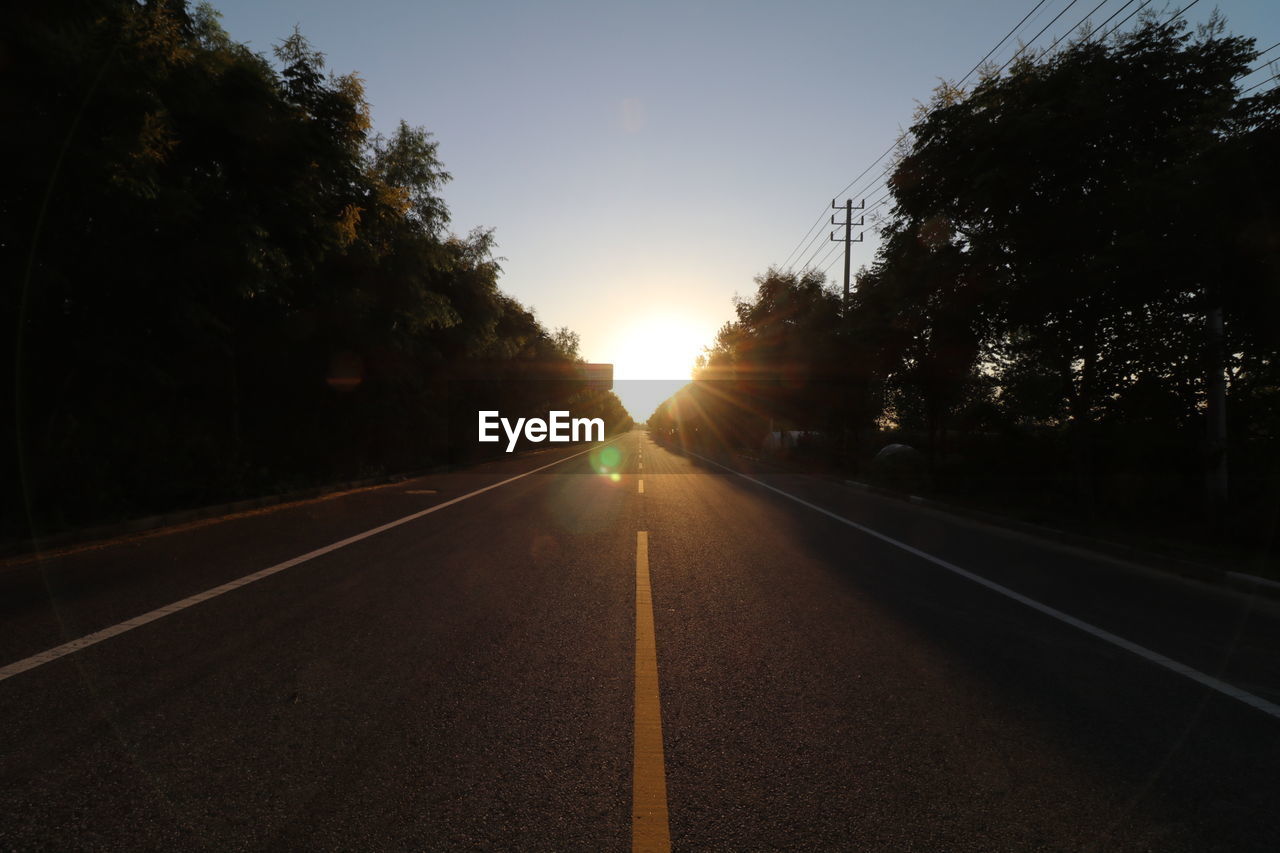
x=654, y=357
x=658, y=348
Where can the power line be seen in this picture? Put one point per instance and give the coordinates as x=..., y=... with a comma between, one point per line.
x=1109, y=33
x=878, y=202
x=999, y=43
x=874, y=206
x=818, y=249
x=802, y=246
x=1034, y=22
x=1178, y=14
x=828, y=267
x=806, y=234
x=823, y=215
x=1078, y=24
x=1263, y=83
x=887, y=151
x=812, y=250
x=1103, y=25
x=866, y=189
x=862, y=193
x=1261, y=66
x=823, y=249
x=819, y=257
x=1252, y=71
x=1037, y=36
x=826, y=250
x=814, y=239
x=827, y=257
x=811, y=235
x=1175, y=16
x=1043, y=29
x=870, y=209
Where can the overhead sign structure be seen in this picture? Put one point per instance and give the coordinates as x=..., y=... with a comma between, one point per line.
x=599, y=376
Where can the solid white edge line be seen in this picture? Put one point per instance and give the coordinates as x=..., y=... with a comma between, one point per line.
x=1141, y=651
x=96, y=637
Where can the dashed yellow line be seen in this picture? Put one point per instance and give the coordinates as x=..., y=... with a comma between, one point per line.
x=649, y=825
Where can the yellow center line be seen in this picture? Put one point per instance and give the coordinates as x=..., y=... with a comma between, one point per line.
x=649, y=828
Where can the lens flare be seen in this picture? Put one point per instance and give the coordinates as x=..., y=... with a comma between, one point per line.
x=606, y=460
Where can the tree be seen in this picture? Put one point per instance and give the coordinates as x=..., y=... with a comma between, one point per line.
x=1067, y=194
x=216, y=280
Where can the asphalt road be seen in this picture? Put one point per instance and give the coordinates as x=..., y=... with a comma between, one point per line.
x=573, y=661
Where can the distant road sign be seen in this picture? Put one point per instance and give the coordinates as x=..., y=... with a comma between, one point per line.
x=598, y=375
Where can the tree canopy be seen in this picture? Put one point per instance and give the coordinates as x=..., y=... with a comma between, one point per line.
x=220, y=281
x=1057, y=238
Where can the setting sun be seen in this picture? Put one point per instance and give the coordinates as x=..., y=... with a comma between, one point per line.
x=652, y=358
x=658, y=347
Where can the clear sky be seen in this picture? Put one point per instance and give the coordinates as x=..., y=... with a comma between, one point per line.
x=642, y=162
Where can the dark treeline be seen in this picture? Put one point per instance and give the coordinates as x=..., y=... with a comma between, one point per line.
x=1037, y=318
x=219, y=281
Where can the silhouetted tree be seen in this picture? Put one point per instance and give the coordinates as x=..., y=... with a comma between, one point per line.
x=216, y=280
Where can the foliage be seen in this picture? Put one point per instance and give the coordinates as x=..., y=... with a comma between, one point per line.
x=219, y=280
x=1056, y=238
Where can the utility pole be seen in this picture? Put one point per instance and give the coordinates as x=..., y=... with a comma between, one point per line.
x=848, y=236
x=844, y=306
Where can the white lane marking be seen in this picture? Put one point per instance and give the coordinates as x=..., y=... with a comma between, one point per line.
x=641, y=489
x=96, y=637
x=1141, y=651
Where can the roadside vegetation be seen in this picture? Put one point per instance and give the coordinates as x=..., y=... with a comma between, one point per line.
x=1037, y=320
x=218, y=281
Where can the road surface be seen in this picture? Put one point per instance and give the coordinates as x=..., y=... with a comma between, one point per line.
x=539, y=655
